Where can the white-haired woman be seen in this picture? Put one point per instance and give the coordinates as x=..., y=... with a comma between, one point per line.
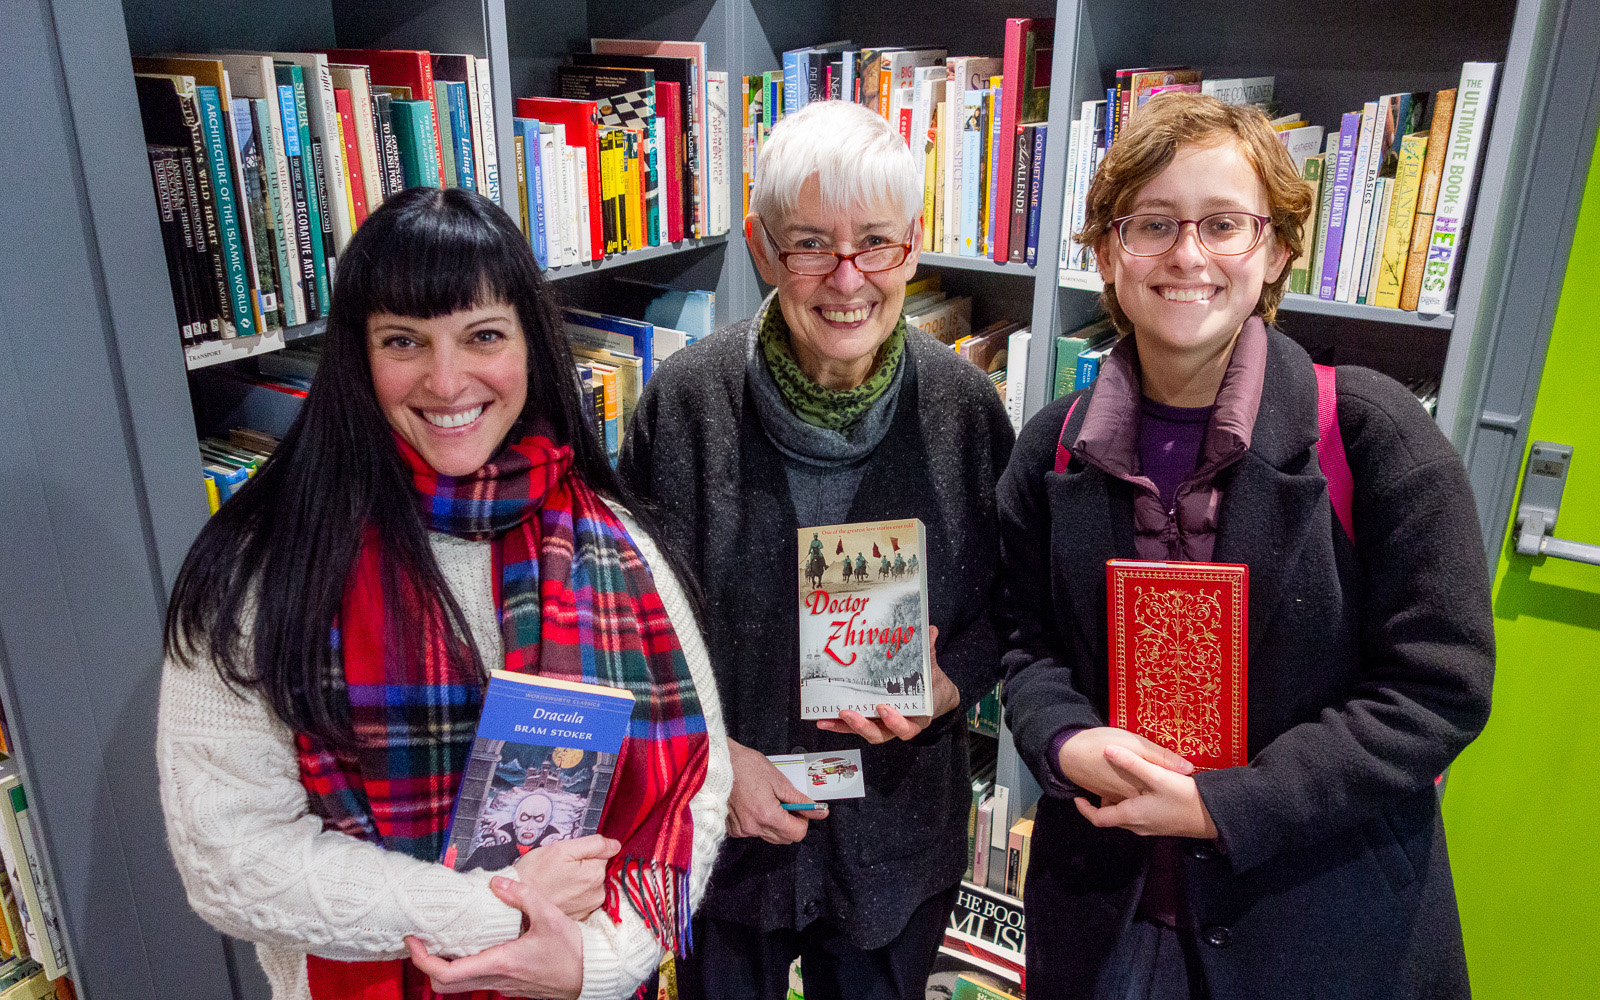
x=824, y=409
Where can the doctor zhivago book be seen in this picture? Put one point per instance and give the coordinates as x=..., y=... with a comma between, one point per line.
x=1178, y=641
x=539, y=769
x=864, y=619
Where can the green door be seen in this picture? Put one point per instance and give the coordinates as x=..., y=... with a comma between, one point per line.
x=1523, y=805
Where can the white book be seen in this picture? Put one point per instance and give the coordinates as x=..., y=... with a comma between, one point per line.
x=1380, y=232
x=1374, y=241
x=962, y=74
x=1099, y=153
x=555, y=220
x=1302, y=144
x=1468, y=131
x=666, y=342
x=929, y=90
x=1239, y=90
x=1070, y=198
x=475, y=122
x=491, y=153
x=323, y=113
x=252, y=76
x=902, y=76
x=1350, y=247
x=1084, y=168
x=721, y=195
x=358, y=80
x=570, y=202
x=585, y=218
x=1017, y=376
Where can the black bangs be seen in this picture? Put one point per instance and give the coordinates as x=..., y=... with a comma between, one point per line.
x=428, y=252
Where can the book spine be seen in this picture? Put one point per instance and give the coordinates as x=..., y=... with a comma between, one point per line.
x=1444, y=103
x=1372, y=204
x=461, y=130
x=1300, y=270
x=1360, y=202
x=276, y=174
x=354, y=182
x=747, y=141
x=1083, y=172
x=1023, y=174
x=394, y=177
x=1013, y=861
x=555, y=215
x=522, y=185
x=369, y=163
x=1012, y=66
x=586, y=208
x=533, y=153
x=323, y=199
x=491, y=154
x=971, y=151
x=1474, y=104
x=239, y=295
x=1069, y=198
x=171, y=237
x=1344, y=167
x=1330, y=161
x=792, y=99
x=1397, y=246
x=263, y=235
x=198, y=173
x=717, y=129
x=1017, y=376
x=950, y=152
x=321, y=245
x=1380, y=221
x=447, y=135
x=305, y=236
x=1036, y=194
x=475, y=124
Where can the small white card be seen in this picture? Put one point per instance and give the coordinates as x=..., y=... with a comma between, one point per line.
x=823, y=776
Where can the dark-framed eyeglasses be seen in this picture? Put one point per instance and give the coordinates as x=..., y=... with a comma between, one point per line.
x=1226, y=234
x=817, y=263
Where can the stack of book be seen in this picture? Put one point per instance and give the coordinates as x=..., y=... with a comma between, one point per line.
x=985, y=715
x=630, y=153
x=265, y=163
x=228, y=462
x=33, y=954
x=615, y=356
x=1392, y=188
x=974, y=123
x=1079, y=354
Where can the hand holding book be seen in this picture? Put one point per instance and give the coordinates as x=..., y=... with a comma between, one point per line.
x=1164, y=803
x=570, y=873
x=546, y=960
x=890, y=723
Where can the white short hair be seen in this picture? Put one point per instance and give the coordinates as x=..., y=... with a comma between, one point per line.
x=861, y=164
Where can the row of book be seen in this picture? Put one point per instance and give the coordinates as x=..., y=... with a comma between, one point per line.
x=984, y=717
x=631, y=153
x=974, y=123
x=1079, y=355
x=999, y=349
x=997, y=852
x=33, y=952
x=1391, y=189
x=265, y=163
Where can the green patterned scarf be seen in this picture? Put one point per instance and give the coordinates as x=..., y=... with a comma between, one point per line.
x=836, y=410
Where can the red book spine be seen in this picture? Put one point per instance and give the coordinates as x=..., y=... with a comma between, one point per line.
x=1178, y=641
x=905, y=125
x=1011, y=68
x=581, y=119
x=352, y=154
x=669, y=110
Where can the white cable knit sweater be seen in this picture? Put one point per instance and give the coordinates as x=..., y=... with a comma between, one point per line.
x=258, y=866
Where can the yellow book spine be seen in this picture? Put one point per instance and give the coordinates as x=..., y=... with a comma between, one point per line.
x=1402, y=213
x=936, y=176
x=929, y=172
x=213, y=499
x=635, y=190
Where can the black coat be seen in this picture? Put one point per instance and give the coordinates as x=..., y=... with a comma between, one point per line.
x=1369, y=670
x=697, y=451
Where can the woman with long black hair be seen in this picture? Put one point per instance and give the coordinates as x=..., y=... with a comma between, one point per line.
x=440, y=507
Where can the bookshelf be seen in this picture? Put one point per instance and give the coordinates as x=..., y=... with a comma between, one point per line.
x=97, y=464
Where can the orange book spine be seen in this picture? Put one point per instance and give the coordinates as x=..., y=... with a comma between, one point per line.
x=1444, y=106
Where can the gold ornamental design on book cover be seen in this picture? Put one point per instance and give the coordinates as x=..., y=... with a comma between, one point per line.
x=863, y=606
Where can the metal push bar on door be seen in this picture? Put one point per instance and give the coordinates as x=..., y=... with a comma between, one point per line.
x=1543, y=481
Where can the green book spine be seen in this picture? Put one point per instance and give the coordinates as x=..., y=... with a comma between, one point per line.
x=1300, y=272
x=413, y=128
x=1067, y=349
x=290, y=76
x=244, y=313
x=447, y=136
x=1324, y=215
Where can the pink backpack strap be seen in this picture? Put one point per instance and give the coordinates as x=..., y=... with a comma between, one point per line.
x=1063, y=451
x=1330, y=450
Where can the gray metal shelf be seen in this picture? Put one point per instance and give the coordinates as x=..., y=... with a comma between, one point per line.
x=633, y=257
x=315, y=328
x=981, y=264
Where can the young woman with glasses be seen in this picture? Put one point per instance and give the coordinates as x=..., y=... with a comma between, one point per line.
x=1319, y=869
x=823, y=409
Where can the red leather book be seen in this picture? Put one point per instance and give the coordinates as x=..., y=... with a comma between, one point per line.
x=671, y=122
x=399, y=68
x=582, y=120
x=1178, y=639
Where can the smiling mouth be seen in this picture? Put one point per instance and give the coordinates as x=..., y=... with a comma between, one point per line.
x=1202, y=295
x=453, y=421
x=845, y=317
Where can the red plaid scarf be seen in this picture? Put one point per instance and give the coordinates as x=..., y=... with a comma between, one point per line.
x=575, y=600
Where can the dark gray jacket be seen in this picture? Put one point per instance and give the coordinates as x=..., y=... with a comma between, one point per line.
x=1370, y=669
x=697, y=451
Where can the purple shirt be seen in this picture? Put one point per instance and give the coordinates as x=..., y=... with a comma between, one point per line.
x=1169, y=444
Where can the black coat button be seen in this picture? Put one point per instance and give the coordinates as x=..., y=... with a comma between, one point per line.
x=812, y=908
x=798, y=750
x=1202, y=852
x=1218, y=936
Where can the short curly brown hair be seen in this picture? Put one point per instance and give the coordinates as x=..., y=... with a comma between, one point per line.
x=1151, y=140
